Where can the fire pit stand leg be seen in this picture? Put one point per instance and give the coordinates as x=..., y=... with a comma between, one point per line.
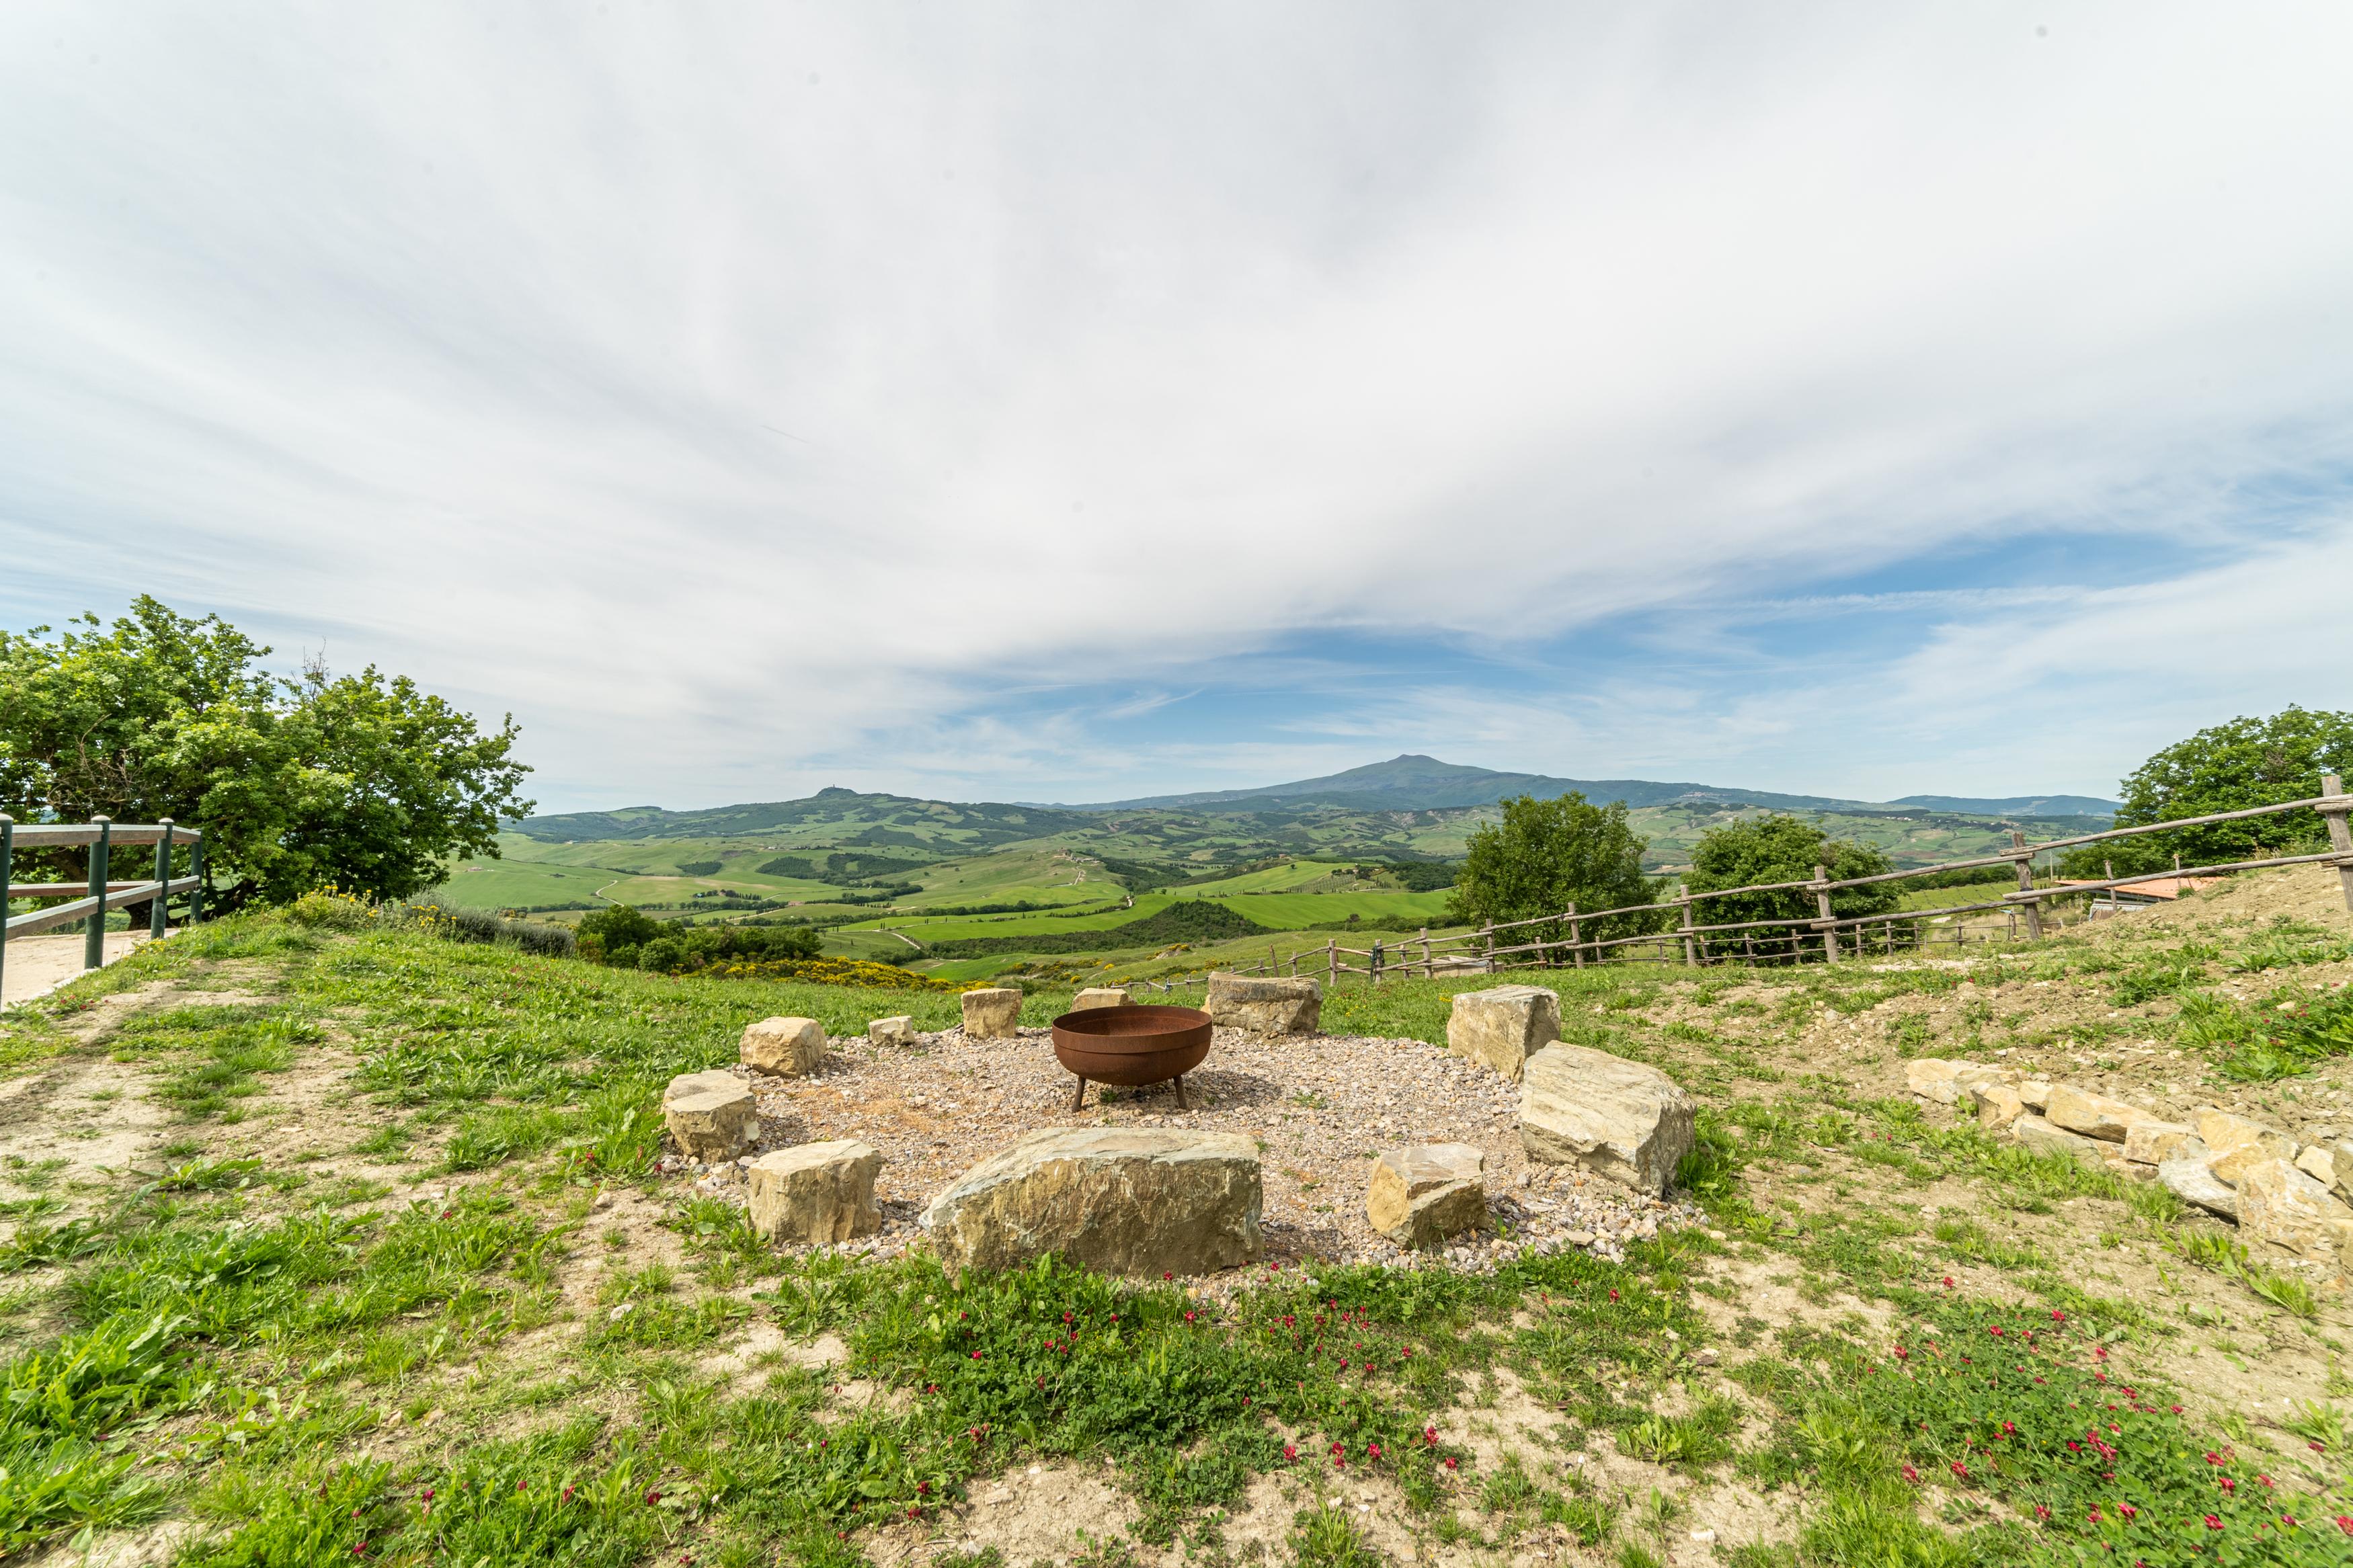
x=1180, y=1094
x=1079, y=1100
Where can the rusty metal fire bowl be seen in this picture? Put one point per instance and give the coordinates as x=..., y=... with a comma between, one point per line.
x=1131, y=1046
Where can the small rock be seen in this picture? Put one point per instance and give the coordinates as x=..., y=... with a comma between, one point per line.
x=789, y=1047
x=1098, y=996
x=899, y=1031
x=1502, y=1027
x=1421, y=1195
x=816, y=1192
x=1931, y=1077
x=711, y=1114
x=2035, y=1092
x=992, y=1013
x=1278, y=1005
x=1998, y=1105
x=2093, y=1115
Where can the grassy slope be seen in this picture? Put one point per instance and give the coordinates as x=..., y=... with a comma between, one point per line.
x=566, y=1432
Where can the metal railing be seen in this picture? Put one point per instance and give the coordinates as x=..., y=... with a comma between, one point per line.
x=98, y=895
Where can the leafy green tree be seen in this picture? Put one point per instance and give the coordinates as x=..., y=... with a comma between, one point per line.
x=2247, y=761
x=1546, y=855
x=1775, y=848
x=360, y=780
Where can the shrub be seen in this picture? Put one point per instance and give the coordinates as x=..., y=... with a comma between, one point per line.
x=330, y=909
x=1545, y=855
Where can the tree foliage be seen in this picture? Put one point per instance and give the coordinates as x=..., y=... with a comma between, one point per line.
x=362, y=780
x=2244, y=762
x=1546, y=855
x=627, y=938
x=1775, y=848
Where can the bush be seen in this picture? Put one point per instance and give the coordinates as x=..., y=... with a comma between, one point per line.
x=1546, y=855
x=330, y=909
x=2247, y=761
x=458, y=923
x=627, y=938
x=1778, y=848
x=697, y=868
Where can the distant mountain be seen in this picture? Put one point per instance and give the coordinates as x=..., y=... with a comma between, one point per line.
x=985, y=823
x=2016, y=805
x=1411, y=783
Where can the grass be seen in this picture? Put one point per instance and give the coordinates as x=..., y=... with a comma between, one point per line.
x=251, y=1328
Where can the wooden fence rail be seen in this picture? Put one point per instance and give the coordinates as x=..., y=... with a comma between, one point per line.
x=1786, y=939
x=99, y=894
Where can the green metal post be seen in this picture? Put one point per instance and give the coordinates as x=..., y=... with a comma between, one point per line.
x=196, y=870
x=93, y=945
x=7, y=853
x=163, y=883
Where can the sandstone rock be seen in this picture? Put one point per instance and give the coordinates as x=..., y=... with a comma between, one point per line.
x=2035, y=1092
x=2330, y=1164
x=1998, y=1104
x=1618, y=1118
x=992, y=1013
x=1421, y=1196
x=711, y=1114
x=2149, y=1141
x=1278, y=1005
x=2287, y=1209
x=1503, y=1027
x=898, y=1032
x=2093, y=1115
x=786, y=1047
x=1098, y=996
x=2186, y=1178
x=816, y=1192
x=2234, y=1143
x=1122, y=1200
x=1931, y=1077
x=2040, y=1136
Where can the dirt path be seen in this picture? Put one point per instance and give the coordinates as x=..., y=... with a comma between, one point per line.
x=37, y=965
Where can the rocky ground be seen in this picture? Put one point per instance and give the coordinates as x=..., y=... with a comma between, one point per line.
x=1320, y=1106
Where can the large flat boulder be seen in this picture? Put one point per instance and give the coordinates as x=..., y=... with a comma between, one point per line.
x=992, y=1013
x=1096, y=996
x=816, y=1192
x=1620, y=1120
x=1421, y=1196
x=2093, y=1115
x=711, y=1115
x=790, y=1047
x=2282, y=1205
x=2041, y=1138
x=1280, y=1004
x=1950, y=1081
x=1141, y=1201
x=1503, y=1026
x=2186, y=1178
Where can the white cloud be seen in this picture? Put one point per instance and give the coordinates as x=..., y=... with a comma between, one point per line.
x=752, y=398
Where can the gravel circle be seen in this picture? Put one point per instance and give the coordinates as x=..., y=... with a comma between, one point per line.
x=1321, y=1106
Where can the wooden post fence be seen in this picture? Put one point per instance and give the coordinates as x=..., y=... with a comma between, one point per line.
x=1822, y=908
x=2024, y=859
x=2340, y=835
x=99, y=893
x=1691, y=953
x=1575, y=947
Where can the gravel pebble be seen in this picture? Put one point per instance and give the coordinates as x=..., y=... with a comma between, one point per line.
x=1321, y=1106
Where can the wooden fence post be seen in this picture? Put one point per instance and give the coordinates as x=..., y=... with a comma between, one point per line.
x=1427, y=971
x=1332, y=954
x=1822, y=905
x=93, y=947
x=1487, y=946
x=1691, y=954
x=2025, y=863
x=2340, y=834
x=7, y=853
x=1576, y=948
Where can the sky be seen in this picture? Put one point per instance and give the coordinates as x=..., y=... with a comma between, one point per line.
x=1080, y=402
